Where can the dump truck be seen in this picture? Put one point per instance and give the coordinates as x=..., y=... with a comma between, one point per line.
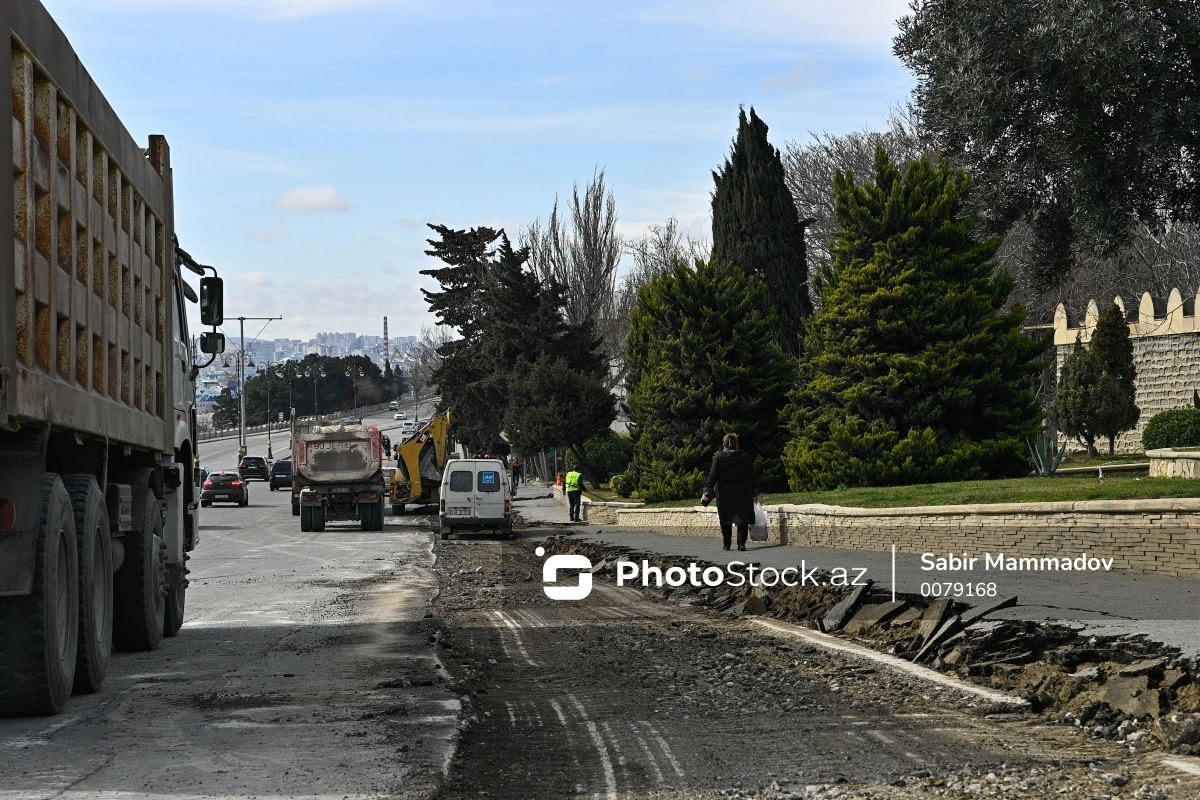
x=99, y=488
x=338, y=468
x=420, y=460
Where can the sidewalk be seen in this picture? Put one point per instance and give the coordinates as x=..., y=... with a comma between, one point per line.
x=1165, y=609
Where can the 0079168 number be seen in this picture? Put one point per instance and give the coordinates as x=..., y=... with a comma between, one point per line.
x=949, y=589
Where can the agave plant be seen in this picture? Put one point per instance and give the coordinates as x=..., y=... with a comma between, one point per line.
x=1045, y=451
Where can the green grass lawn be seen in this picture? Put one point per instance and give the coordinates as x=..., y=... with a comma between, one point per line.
x=1012, y=490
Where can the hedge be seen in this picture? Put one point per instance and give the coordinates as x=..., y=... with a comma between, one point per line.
x=1178, y=427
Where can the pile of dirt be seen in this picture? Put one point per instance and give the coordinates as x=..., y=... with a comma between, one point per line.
x=1127, y=688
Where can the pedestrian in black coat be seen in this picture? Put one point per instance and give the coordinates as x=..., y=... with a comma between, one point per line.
x=732, y=479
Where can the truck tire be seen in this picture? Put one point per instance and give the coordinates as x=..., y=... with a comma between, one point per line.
x=295, y=510
x=177, y=584
x=306, y=518
x=95, y=582
x=318, y=518
x=139, y=586
x=397, y=509
x=379, y=515
x=39, y=634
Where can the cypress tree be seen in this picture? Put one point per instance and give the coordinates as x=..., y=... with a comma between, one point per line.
x=756, y=226
x=703, y=362
x=1114, y=349
x=914, y=372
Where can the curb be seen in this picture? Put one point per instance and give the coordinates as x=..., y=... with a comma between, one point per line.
x=824, y=640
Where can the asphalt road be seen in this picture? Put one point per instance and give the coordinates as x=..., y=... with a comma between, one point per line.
x=303, y=669
x=223, y=453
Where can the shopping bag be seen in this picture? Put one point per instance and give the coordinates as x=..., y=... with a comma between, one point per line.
x=758, y=531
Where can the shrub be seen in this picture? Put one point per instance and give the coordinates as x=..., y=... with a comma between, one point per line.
x=1179, y=427
x=622, y=485
x=607, y=453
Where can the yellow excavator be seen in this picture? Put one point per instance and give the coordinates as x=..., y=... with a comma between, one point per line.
x=420, y=460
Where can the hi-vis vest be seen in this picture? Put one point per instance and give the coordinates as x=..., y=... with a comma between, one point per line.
x=572, y=483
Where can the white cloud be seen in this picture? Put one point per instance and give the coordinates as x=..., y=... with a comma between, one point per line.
x=853, y=22
x=322, y=197
x=344, y=302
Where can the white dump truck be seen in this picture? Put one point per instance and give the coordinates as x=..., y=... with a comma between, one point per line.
x=98, y=479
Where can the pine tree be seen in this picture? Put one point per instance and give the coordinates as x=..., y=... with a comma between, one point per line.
x=1088, y=399
x=914, y=372
x=1114, y=349
x=756, y=226
x=703, y=362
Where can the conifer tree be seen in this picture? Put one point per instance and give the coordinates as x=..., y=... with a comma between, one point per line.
x=1114, y=349
x=914, y=372
x=703, y=362
x=1087, y=399
x=755, y=226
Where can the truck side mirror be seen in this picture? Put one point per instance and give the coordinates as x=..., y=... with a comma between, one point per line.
x=212, y=304
x=212, y=342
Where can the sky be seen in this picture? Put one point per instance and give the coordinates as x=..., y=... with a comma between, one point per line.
x=312, y=140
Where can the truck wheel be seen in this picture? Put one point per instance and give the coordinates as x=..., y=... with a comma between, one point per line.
x=306, y=518
x=95, y=581
x=366, y=517
x=139, y=586
x=177, y=584
x=379, y=515
x=295, y=509
x=397, y=510
x=318, y=518
x=39, y=633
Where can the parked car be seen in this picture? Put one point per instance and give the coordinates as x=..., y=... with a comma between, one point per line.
x=474, y=497
x=254, y=467
x=225, y=487
x=399, y=415
x=281, y=473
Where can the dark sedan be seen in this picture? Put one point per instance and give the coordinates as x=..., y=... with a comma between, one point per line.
x=224, y=487
x=281, y=474
x=254, y=467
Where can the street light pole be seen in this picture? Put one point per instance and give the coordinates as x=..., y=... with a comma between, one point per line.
x=351, y=373
x=267, y=375
x=313, y=373
x=242, y=380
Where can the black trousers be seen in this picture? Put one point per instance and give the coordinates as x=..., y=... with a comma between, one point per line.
x=575, y=499
x=727, y=533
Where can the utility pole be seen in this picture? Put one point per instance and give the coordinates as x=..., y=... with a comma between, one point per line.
x=242, y=380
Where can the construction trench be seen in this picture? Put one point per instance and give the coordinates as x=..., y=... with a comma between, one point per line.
x=790, y=692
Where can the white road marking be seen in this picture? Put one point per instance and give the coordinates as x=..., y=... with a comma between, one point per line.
x=666, y=748
x=514, y=630
x=562, y=718
x=658, y=773
x=512, y=719
x=610, y=777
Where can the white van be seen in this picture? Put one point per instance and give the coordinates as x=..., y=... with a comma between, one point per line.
x=394, y=405
x=475, y=497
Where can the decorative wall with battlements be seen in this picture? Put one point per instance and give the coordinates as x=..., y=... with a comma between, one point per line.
x=1166, y=352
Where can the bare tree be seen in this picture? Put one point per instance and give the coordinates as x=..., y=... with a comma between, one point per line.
x=426, y=356
x=809, y=169
x=1154, y=262
x=581, y=255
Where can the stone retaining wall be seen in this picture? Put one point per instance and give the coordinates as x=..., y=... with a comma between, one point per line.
x=1160, y=537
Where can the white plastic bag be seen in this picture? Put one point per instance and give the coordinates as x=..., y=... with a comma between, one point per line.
x=758, y=531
